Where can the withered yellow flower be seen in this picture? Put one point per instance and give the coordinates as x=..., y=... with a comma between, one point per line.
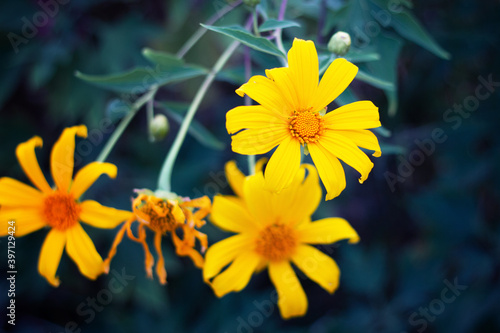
x=291, y=114
x=58, y=208
x=273, y=230
x=165, y=215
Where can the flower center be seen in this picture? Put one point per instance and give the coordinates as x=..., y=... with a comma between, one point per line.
x=276, y=242
x=61, y=211
x=306, y=126
x=160, y=215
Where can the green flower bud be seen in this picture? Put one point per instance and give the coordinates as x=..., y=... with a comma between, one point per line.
x=340, y=43
x=159, y=127
x=251, y=3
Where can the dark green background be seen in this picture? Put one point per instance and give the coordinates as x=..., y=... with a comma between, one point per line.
x=440, y=224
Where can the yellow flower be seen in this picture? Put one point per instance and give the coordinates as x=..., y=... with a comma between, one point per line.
x=58, y=208
x=273, y=230
x=291, y=114
x=163, y=215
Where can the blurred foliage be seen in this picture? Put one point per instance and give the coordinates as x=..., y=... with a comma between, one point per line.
x=440, y=222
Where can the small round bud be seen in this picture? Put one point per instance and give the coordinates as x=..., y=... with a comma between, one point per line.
x=340, y=43
x=159, y=127
x=251, y=3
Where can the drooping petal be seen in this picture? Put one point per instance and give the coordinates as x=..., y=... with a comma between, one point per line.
x=299, y=200
x=50, y=255
x=160, y=264
x=336, y=79
x=27, y=220
x=317, y=266
x=354, y=116
x=303, y=65
x=258, y=140
x=222, y=253
x=266, y=93
x=253, y=116
x=348, y=152
x=283, y=165
x=235, y=178
x=100, y=216
x=364, y=139
x=292, y=300
x=327, y=231
x=330, y=170
x=17, y=194
x=283, y=79
x=62, y=156
x=82, y=250
x=25, y=153
x=230, y=214
x=89, y=174
x=236, y=276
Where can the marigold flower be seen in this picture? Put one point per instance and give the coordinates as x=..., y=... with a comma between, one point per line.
x=163, y=213
x=273, y=230
x=58, y=208
x=291, y=114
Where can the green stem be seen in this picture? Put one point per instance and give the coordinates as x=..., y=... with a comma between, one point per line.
x=201, y=31
x=255, y=25
x=124, y=123
x=150, y=116
x=164, y=181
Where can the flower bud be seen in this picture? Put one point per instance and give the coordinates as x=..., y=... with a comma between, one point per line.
x=159, y=127
x=251, y=3
x=340, y=43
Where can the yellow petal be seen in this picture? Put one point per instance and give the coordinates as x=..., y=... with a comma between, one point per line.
x=303, y=65
x=25, y=153
x=317, y=266
x=15, y=193
x=89, y=174
x=364, y=139
x=336, y=79
x=348, y=152
x=81, y=249
x=100, y=216
x=254, y=116
x=265, y=92
x=292, y=300
x=62, y=156
x=283, y=165
x=50, y=255
x=327, y=231
x=222, y=253
x=283, y=79
x=258, y=200
x=230, y=214
x=236, y=276
x=27, y=220
x=259, y=140
x=330, y=170
x=259, y=165
x=354, y=116
x=299, y=200
x=235, y=177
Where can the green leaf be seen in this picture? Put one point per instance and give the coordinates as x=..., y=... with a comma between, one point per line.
x=374, y=81
x=141, y=79
x=176, y=112
x=243, y=36
x=356, y=56
x=162, y=59
x=388, y=149
x=273, y=24
x=347, y=97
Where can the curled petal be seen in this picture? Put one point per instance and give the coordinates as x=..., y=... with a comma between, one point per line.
x=89, y=174
x=25, y=153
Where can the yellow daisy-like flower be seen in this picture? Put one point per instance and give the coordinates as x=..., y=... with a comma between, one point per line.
x=162, y=215
x=291, y=114
x=58, y=208
x=273, y=231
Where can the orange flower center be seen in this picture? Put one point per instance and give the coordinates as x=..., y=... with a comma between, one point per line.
x=306, y=126
x=276, y=242
x=160, y=215
x=61, y=211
